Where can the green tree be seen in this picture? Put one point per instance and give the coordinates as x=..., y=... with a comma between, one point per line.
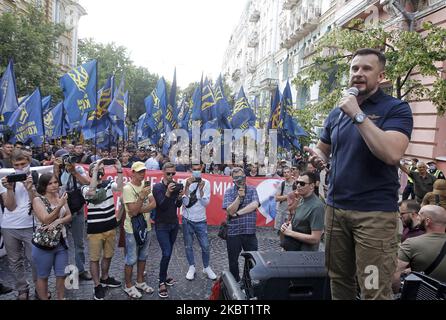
x=407, y=52
x=115, y=60
x=31, y=41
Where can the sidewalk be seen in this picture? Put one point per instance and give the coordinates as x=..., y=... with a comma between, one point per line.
x=199, y=289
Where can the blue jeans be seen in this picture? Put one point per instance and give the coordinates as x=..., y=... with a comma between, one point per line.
x=200, y=229
x=135, y=253
x=77, y=231
x=235, y=244
x=166, y=235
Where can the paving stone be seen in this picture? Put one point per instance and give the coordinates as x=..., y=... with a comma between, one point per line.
x=198, y=289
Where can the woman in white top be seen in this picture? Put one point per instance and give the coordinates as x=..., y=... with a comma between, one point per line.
x=51, y=210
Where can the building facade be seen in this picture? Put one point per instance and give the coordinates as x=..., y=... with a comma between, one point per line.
x=67, y=12
x=275, y=40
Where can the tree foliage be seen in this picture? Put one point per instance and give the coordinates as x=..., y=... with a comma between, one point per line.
x=31, y=41
x=115, y=60
x=406, y=52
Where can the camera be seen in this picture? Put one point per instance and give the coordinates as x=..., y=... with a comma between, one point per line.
x=146, y=183
x=68, y=160
x=16, y=177
x=178, y=188
x=109, y=162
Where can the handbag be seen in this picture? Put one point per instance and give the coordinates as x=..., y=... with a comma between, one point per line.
x=139, y=225
x=47, y=239
x=223, y=231
x=75, y=200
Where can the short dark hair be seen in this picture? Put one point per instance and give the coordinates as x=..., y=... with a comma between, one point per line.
x=43, y=183
x=411, y=205
x=366, y=51
x=311, y=176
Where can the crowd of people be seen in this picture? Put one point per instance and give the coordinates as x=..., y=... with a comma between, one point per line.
x=355, y=209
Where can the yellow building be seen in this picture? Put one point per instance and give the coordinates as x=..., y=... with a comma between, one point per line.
x=58, y=11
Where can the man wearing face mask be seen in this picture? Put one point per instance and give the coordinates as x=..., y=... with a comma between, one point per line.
x=72, y=177
x=102, y=224
x=240, y=202
x=419, y=253
x=17, y=222
x=196, y=198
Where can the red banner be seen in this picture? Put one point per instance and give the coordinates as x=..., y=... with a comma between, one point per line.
x=266, y=189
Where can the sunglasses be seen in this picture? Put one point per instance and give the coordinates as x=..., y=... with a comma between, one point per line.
x=301, y=183
x=171, y=174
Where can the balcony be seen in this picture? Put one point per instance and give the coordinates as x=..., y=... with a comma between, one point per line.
x=310, y=19
x=251, y=66
x=236, y=75
x=255, y=16
x=253, y=40
x=269, y=84
x=289, y=4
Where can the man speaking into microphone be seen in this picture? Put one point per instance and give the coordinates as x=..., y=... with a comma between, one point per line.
x=366, y=137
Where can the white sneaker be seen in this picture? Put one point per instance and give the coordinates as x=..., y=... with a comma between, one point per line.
x=211, y=275
x=191, y=273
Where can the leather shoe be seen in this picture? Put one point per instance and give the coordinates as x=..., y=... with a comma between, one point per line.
x=86, y=276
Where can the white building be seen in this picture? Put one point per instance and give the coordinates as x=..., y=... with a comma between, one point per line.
x=273, y=41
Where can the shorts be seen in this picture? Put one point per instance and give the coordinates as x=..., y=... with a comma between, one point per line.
x=45, y=260
x=104, y=241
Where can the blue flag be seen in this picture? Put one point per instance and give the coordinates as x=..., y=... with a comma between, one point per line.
x=46, y=104
x=98, y=120
x=8, y=94
x=118, y=106
x=79, y=88
x=222, y=105
x=276, y=120
x=53, y=120
x=26, y=122
x=291, y=128
x=208, y=106
x=243, y=117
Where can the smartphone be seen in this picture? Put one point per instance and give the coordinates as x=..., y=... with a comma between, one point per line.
x=16, y=177
x=146, y=183
x=109, y=162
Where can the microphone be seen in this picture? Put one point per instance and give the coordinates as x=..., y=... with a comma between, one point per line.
x=353, y=91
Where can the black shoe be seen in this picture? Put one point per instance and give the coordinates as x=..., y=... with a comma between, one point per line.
x=4, y=289
x=111, y=282
x=85, y=275
x=99, y=292
x=170, y=282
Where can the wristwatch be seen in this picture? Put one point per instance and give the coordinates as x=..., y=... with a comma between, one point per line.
x=359, y=118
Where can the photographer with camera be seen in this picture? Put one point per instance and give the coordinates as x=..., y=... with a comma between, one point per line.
x=168, y=196
x=240, y=202
x=196, y=198
x=17, y=192
x=102, y=223
x=72, y=177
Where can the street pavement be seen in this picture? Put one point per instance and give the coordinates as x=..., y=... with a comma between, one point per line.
x=198, y=289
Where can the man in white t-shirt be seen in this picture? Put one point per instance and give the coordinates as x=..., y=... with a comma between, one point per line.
x=17, y=222
x=152, y=163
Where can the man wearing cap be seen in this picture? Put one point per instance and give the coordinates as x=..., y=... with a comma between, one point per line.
x=71, y=179
x=437, y=173
x=137, y=200
x=101, y=224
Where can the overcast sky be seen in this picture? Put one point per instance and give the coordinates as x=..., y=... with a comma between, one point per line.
x=161, y=34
